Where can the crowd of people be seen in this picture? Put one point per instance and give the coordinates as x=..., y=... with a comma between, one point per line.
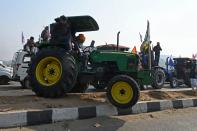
x=59, y=33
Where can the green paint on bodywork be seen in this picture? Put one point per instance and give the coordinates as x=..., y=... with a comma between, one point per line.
x=144, y=77
x=126, y=62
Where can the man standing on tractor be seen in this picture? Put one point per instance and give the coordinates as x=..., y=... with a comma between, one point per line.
x=157, y=50
x=61, y=32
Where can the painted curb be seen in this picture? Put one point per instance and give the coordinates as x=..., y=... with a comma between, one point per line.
x=26, y=118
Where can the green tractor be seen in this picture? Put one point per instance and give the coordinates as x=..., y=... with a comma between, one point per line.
x=55, y=71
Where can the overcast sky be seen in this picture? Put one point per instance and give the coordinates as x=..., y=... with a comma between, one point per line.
x=172, y=22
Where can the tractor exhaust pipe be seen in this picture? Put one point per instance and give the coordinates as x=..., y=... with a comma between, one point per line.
x=118, y=34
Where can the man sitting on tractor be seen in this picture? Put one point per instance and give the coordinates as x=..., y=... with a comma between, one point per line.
x=30, y=45
x=78, y=41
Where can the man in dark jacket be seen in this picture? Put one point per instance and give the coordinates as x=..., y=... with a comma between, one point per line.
x=157, y=50
x=61, y=32
x=45, y=35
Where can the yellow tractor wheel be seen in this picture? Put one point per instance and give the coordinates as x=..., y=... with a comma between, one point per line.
x=52, y=72
x=48, y=71
x=123, y=91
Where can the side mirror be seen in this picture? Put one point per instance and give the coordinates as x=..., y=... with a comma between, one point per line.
x=92, y=43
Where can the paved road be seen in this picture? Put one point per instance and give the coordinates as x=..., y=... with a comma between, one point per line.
x=14, y=89
x=169, y=120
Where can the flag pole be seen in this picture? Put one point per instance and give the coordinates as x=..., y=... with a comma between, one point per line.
x=149, y=56
x=149, y=47
x=140, y=37
x=22, y=38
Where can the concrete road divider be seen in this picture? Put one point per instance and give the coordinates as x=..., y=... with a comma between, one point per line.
x=24, y=118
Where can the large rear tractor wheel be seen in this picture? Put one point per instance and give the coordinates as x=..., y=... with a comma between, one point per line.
x=123, y=91
x=158, y=77
x=52, y=72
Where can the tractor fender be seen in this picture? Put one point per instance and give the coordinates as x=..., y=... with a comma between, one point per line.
x=162, y=68
x=156, y=67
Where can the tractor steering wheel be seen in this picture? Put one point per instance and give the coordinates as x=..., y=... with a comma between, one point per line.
x=89, y=49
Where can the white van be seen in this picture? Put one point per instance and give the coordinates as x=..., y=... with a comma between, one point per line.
x=20, y=64
x=5, y=74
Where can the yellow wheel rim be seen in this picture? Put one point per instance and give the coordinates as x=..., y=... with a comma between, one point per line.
x=48, y=71
x=122, y=92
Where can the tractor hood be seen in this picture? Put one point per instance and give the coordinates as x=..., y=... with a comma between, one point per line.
x=83, y=23
x=122, y=59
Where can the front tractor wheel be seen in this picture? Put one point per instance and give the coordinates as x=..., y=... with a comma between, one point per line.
x=52, y=72
x=123, y=91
